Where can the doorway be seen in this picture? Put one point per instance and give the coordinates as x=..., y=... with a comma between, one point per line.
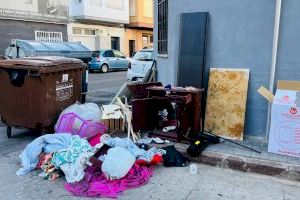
x=115, y=43
x=131, y=47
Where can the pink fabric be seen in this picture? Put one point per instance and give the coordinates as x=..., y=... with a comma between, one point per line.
x=95, y=183
x=95, y=140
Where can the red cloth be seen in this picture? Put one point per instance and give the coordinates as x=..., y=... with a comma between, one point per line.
x=156, y=160
x=95, y=140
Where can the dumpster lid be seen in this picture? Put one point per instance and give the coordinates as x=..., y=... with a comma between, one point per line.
x=31, y=48
x=41, y=63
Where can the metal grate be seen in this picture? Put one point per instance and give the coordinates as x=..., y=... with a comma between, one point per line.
x=44, y=36
x=162, y=26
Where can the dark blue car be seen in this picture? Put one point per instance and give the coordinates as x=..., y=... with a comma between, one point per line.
x=105, y=60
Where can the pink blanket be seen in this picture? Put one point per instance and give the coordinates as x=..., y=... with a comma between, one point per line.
x=95, y=184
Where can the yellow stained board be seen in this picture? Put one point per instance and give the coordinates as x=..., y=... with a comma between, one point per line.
x=226, y=102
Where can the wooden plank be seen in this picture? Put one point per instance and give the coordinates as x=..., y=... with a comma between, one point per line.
x=193, y=33
x=266, y=93
x=226, y=102
x=106, y=122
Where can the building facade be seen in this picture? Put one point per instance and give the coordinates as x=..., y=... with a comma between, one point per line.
x=125, y=25
x=96, y=36
x=139, y=32
x=42, y=20
x=239, y=35
x=99, y=24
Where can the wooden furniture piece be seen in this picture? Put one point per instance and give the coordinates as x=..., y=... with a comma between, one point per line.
x=182, y=105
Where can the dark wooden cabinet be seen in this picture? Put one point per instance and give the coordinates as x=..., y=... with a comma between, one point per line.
x=183, y=108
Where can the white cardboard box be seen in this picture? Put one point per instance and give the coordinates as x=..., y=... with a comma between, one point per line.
x=284, y=137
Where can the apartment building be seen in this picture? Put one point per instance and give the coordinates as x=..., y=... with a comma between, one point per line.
x=41, y=20
x=99, y=24
x=139, y=32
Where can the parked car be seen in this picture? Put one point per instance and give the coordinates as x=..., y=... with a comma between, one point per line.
x=105, y=60
x=140, y=64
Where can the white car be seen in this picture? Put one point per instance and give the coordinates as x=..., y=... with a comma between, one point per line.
x=140, y=64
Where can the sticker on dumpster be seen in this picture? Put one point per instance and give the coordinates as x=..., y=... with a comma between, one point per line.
x=64, y=90
x=65, y=78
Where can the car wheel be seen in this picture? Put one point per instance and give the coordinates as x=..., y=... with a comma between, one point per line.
x=104, y=68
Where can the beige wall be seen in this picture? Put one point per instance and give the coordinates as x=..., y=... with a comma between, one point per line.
x=141, y=13
x=141, y=24
x=137, y=36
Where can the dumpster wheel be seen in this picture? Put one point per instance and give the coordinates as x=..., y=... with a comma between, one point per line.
x=8, y=131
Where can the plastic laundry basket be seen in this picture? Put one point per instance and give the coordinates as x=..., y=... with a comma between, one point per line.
x=72, y=123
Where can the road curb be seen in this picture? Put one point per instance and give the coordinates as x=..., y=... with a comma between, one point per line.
x=246, y=164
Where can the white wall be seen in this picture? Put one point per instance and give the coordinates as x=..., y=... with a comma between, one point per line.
x=51, y=11
x=102, y=39
x=76, y=8
x=24, y=5
x=116, y=11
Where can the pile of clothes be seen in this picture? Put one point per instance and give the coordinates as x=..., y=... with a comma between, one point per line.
x=95, y=166
x=123, y=166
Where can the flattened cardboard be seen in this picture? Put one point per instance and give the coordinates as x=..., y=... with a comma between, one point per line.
x=288, y=85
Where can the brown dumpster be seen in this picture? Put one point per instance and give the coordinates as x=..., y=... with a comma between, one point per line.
x=34, y=90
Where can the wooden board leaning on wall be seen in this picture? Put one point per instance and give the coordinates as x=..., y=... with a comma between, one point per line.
x=226, y=102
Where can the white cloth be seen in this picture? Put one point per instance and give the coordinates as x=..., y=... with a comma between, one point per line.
x=117, y=163
x=112, y=111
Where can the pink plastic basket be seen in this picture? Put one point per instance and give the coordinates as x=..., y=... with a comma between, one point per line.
x=75, y=125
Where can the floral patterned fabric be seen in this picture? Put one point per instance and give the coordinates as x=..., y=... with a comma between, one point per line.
x=76, y=147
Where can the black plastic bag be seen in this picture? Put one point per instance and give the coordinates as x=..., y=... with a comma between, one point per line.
x=174, y=157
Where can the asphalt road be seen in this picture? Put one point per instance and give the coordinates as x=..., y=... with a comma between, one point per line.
x=103, y=87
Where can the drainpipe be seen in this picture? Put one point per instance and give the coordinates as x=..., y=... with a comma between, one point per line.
x=274, y=57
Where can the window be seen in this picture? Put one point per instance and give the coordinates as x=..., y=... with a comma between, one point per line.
x=162, y=41
x=44, y=36
x=89, y=32
x=145, y=40
x=77, y=31
x=115, y=43
x=143, y=56
x=95, y=53
x=108, y=53
x=118, y=54
x=151, y=38
x=148, y=8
